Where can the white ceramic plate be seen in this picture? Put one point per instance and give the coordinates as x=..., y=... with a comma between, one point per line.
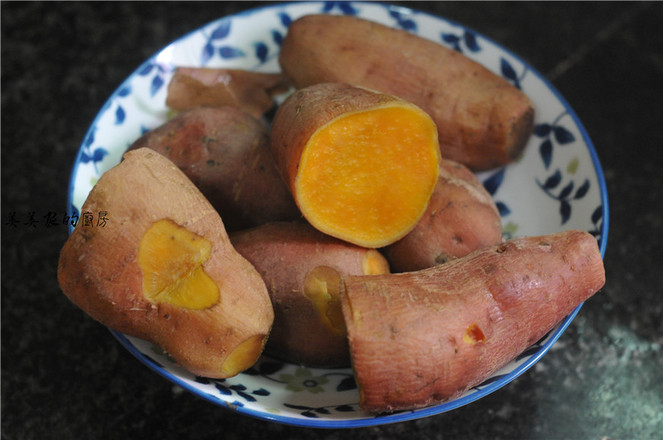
x=558, y=184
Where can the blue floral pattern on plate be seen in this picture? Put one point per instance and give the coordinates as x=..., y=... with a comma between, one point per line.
x=556, y=184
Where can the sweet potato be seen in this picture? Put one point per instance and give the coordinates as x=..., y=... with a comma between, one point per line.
x=361, y=165
x=163, y=269
x=483, y=121
x=423, y=337
x=225, y=152
x=302, y=268
x=252, y=92
x=461, y=217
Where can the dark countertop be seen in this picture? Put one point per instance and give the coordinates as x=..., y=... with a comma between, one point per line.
x=65, y=377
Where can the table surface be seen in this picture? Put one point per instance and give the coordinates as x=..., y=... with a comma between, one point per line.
x=64, y=376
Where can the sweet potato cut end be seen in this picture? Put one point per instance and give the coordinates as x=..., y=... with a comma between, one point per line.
x=367, y=176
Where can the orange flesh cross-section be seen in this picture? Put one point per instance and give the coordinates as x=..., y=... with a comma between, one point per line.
x=366, y=177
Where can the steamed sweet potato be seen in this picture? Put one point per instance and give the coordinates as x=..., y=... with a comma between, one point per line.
x=361, y=165
x=252, y=92
x=461, y=217
x=162, y=268
x=423, y=337
x=483, y=121
x=225, y=152
x=302, y=268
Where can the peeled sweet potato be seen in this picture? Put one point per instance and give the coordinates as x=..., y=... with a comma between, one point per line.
x=423, y=337
x=461, y=217
x=163, y=269
x=361, y=165
x=225, y=152
x=252, y=92
x=483, y=121
x=302, y=268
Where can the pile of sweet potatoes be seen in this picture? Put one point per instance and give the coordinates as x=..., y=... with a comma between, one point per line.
x=351, y=230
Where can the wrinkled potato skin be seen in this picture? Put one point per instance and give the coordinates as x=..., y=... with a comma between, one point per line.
x=461, y=217
x=98, y=268
x=420, y=338
x=284, y=253
x=483, y=121
x=225, y=152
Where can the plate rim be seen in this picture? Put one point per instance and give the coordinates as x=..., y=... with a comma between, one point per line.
x=372, y=420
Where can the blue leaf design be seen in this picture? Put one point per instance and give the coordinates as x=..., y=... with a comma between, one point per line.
x=230, y=52
x=502, y=209
x=451, y=39
x=146, y=69
x=553, y=181
x=84, y=157
x=208, y=53
x=347, y=8
x=120, y=115
x=261, y=392
x=565, y=211
x=223, y=389
x=471, y=41
x=157, y=82
x=542, y=130
x=99, y=154
x=408, y=25
x=124, y=91
x=508, y=70
x=344, y=408
x=582, y=191
x=261, y=51
x=493, y=183
x=347, y=384
x=277, y=37
x=221, y=31
x=562, y=135
x=545, y=151
x=566, y=191
x=285, y=19
x=245, y=396
x=597, y=215
x=322, y=411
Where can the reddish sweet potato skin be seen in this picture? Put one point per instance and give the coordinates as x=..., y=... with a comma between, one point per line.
x=225, y=152
x=252, y=92
x=461, y=217
x=284, y=253
x=483, y=121
x=424, y=337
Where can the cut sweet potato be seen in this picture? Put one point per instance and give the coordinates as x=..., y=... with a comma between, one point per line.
x=483, y=120
x=225, y=152
x=461, y=217
x=162, y=268
x=252, y=92
x=302, y=269
x=361, y=165
x=423, y=337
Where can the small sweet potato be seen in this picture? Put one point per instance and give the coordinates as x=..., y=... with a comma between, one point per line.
x=461, y=217
x=252, y=92
x=302, y=268
x=483, y=121
x=423, y=337
x=225, y=152
x=163, y=269
x=361, y=165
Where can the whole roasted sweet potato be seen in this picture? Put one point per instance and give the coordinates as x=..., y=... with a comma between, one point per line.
x=225, y=152
x=423, y=337
x=163, y=269
x=483, y=121
x=361, y=165
x=302, y=268
x=461, y=217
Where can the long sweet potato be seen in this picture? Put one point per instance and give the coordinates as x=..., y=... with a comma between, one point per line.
x=483, y=121
x=461, y=217
x=418, y=338
x=225, y=152
x=361, y=165
x=302, y=268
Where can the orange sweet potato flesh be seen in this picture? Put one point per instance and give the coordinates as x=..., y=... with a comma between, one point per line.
x=163, y=269
x=483, y=121
x=225, y=152
x=361, y=165
x=302, y=267
x=461, y=217
x=252, y=92
x=423, y=337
